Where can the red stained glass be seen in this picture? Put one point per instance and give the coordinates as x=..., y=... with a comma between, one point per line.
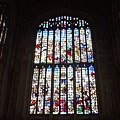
x=64, y=76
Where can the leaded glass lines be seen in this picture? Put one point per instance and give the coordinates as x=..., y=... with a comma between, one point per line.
x=64, y=76
x=3, y=33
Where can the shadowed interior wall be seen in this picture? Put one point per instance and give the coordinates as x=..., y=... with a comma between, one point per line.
x=16, y=66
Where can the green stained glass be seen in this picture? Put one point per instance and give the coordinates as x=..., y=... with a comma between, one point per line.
x=64, y=75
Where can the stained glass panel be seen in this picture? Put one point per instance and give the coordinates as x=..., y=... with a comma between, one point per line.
x=79, y=101
x=57, y=46
x=70, y=90
x=56, y=99
x=64, y=76
x=1, y=18
x=83, y=45
x=93, y=93
x=50, y=47
x=3, y=33
x=76, y=45
x=41, y=90
x=44, y=46
x=63, y=91
x=34, y=91
x=48, y=90
x=86, y=96
x=38, y=47
x=69, y=46
x=63, y=46
x=89, y=45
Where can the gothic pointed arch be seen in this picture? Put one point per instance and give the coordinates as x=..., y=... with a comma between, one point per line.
x=64, y=76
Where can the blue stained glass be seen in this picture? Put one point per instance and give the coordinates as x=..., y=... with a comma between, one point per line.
x=69, y=46
x=79, y=101
x=76, y=45
x=64, y=55
x=91, y=68
x=44, y=47
x=70, y=90
x=82, y=22
x=57, y=46
x=50, y=47
x=48, y=90
x=89, y=45
x=86, y=95
x=94, y=104
x=83, y=45
x=56, y=98
x=63, y=91
x=63, y=46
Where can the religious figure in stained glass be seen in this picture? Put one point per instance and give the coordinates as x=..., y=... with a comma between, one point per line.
x=64, y=76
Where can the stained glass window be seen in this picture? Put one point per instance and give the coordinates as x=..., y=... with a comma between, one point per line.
x=64, y=75
x=3, y=31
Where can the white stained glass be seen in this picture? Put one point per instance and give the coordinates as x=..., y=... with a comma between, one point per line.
x=38, y=47
x=34, y=91
x=57, y=46
x=76, y=45
x=70, y=90
x=44, y=47
x=69, y=46
x=56, y=99
x=50, y=47
x=64, y=78
x=83, y=45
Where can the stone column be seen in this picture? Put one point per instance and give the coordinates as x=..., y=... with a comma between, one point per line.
x=26, y=70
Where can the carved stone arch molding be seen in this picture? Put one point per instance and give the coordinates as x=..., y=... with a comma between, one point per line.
x=30, y=40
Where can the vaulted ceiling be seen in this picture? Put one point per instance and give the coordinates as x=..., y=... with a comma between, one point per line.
x=30, y=9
